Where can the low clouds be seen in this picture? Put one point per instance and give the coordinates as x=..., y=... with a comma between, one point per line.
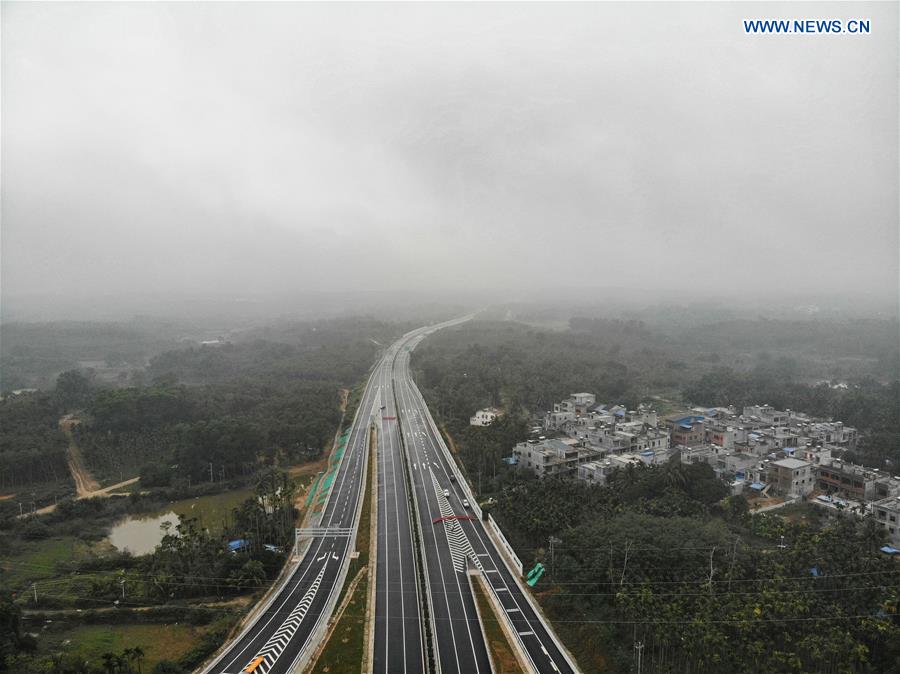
x=245, y=147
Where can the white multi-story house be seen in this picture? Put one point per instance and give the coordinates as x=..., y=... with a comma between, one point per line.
x=887, y=513
x=484, y=417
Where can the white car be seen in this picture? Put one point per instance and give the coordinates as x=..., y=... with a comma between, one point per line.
x=446, y=492
x=465, y=503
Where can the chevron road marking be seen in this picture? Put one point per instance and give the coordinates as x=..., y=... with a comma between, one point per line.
x=262, y=662
x=460, y=547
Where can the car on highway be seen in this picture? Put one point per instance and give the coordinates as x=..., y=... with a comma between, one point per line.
x=446, y=492
x=453, y=478
x=465, y=503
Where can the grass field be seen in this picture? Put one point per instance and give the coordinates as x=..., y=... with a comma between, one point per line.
x=30, y=561
x=502, y=654
x=343, y=653
x=159, y=642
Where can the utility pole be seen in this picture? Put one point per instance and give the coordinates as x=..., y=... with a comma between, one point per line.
x=34, y=587
x=553, y=540
x=210, y=472
x=20, y=509
x=122, y=583
x=639, y=651
x=731, y=568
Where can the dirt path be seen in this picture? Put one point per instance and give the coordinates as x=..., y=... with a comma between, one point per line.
x=85, y=483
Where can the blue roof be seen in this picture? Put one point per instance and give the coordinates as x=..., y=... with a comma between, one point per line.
x=620, y=413
x=889, y=550
x=647, y=452
x=238, y=544
x=692, y=419
x=758, y=486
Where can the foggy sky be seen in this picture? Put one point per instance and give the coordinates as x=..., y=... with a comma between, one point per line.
x=250, y=148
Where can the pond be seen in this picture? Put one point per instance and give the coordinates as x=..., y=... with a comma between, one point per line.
x=140, y=534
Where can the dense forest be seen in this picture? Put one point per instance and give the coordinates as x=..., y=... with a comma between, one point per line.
x=656, y=558
x=210, y=412
x=32, y=448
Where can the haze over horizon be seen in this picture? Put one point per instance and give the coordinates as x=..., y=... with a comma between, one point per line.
x=267, y=149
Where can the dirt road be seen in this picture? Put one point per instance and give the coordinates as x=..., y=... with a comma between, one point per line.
x=85, y=483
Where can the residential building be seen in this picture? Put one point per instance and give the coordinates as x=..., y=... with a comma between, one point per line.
x=552, y=457
x=792, y=477
x=687, y=431
x=484, y=417
x=856, y=482
x=887, y=513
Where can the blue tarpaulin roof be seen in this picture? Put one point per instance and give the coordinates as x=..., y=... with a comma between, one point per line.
x=758, y=485
x=237, y=544
x=889, y=550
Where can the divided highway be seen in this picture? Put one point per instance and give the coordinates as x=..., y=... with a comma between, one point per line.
x=288, y=627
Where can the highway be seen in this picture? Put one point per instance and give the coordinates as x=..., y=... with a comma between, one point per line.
x=453, y=545
x=399, y=641
x=290, y=624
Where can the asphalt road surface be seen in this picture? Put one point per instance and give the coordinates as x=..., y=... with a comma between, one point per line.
x=453, y=545
x=399, y=639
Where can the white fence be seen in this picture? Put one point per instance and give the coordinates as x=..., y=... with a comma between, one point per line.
x=505, y=543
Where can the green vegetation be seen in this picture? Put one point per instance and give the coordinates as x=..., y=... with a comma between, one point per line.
x=157, y=642
x=502, y=654
x=32, y=447
x=343, y=653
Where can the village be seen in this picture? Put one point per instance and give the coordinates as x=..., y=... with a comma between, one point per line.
x=771, y=457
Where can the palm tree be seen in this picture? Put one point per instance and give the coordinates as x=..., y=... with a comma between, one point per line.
x=135, y=654
x=109, y=662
